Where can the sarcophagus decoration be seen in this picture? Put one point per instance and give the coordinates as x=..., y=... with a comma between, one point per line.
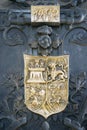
x=46, y=83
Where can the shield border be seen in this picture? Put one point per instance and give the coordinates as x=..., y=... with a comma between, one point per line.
x=26, y=57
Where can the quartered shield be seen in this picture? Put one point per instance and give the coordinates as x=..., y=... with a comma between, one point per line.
x=46, y=83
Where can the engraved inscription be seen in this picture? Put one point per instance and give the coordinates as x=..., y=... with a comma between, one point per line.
x=45, y=14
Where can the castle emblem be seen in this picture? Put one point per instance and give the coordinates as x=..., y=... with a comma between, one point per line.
x=46, y=83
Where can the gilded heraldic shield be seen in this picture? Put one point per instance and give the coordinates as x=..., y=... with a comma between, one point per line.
x=46, y=83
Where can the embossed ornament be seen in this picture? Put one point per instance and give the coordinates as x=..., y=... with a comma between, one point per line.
x=46, y=83
x=45, y=41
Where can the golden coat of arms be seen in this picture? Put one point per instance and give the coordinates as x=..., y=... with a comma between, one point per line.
x=46, y=83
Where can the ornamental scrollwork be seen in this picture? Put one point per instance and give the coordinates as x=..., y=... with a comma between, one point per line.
x=79, y=38
x=14, y=36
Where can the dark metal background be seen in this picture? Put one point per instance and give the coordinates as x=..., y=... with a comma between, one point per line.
x=18, y=36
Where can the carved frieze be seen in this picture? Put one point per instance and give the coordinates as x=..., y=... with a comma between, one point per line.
x=23, y=17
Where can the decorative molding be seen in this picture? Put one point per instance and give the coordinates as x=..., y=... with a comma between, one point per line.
x=23, y=17
x=61, y=2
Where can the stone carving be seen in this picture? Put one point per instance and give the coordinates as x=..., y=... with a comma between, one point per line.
x=28, y=3
x=14, y=36
x=77, y=108
x=47, y=41
x=44, y=41
x=14, y=17
x=11, y=114
x=13, y=110
x=46, y=84
x=71, y=2
x=23, y=17
x=4, y=19
x=19, y=17
x=79, y=37
x=57, y=41
x=61, y=2
x=45, y=14
x=73, y=16
x=45, y=30
x=73, y=124
x=24, y=3
x=45, y=126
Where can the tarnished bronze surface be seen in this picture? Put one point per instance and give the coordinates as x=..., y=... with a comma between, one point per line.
x=45, y=14
x=46, y=83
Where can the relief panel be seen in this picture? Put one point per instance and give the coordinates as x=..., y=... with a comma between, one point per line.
x=46, y=84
